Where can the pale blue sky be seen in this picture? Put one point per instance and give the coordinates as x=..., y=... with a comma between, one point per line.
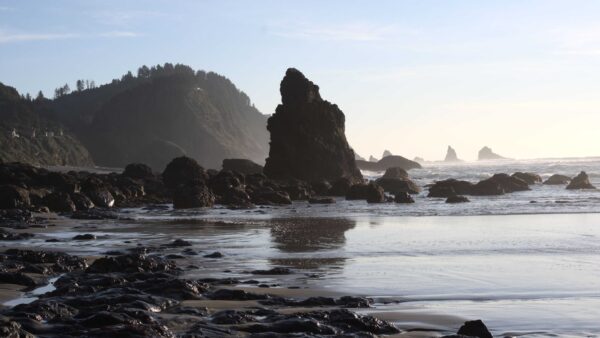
x=522, y=77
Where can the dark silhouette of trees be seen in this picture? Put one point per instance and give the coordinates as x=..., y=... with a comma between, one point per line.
x=80, y=85
x=62, y=91
x=40, y=96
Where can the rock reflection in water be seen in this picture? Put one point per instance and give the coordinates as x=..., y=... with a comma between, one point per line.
x=310, y=236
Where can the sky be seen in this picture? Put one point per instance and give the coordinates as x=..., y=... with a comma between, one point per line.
x=519, y=76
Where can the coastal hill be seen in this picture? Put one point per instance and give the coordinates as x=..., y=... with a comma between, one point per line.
x=28, y=134
x=164, y=112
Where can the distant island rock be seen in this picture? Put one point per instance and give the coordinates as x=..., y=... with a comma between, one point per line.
x=388, y=162
x=358, y=157
x=386, y=153
x=486, y=153
x=308, y=139
x=451, y=155
x=372, y=159
x=419, y=159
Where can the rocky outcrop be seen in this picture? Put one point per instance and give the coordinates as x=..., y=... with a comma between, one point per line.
x=530, y=178
x=242, y=166
x=557, y=179
x=386, y=153
x=181, y=171
x=457, y=199
x=370, y=192
x=499, y=184
x=451, y=155
x=403, y=198
x=486, y=153
x=395, y=172
x=308, y=140
x=474, y=328
x=372, y=159
x=450, y=187
x=398, y=185
x=358, y=157
x=388, y=162
x=581, y=181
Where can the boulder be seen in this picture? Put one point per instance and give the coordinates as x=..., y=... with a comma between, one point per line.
x=395, y=172
x=59, y=202
x=340, y=187
x=138, y=171
x=308, y=140
x=269, y=196
x=486, y=153
x=242, y=166
x=474, y=328
x=457, y=199
x=397, y=185
x=499, y=184
x=388, y=162
x=101, y=197
x=581, y=181
x=557, y=179
x=183, y=170
x=450, y=187
x=13, y=197
x=403, y=197
x=530, y=178
x=370, y=192
x=321, y=187
x=192, y=195
x=451, y=155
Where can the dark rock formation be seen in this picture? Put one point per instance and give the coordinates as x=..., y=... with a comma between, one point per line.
x=321, y=200
x=358, y=157
x=397, y=185
x=581, y=181
x=308, y=140
x=370, y=192
x=373, y=159
x=557, y=179
x=138, y=171
x=403, y=197
x=183, y=170
x=474, y=328
x=450, y=187
x=340, y=187
x=386, y=153
x=530, y=178
x=486, y=153
x=193, y=195
x=13, y=197
x=451, y=155
x=395, y=172
x=242, y=166
x=59, y=202
x=457, y=199
x=388, y=162
x=499, y=184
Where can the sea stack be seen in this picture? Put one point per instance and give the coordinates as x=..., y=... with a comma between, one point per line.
x=386, y=153
x=486, y=153
x=451, y=155
x=308, y=140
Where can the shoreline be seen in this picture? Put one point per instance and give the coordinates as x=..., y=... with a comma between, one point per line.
x=277, y=288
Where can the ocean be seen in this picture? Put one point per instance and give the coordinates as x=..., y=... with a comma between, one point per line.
x=526, y=269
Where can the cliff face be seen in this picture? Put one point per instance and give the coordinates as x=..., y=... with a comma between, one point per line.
x=308, y=138
x=28, y=134
x=169, y=112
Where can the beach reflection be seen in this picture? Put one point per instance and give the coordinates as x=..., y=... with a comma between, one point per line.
x=310, y=243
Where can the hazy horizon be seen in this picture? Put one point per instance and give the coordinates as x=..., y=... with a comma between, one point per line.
x=411, y=76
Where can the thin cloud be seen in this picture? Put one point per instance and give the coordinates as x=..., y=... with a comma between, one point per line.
x=121, y=18
x=12, y=37
x=119, y=34
x=335, y=32
x=24, y=37
x=5, y=8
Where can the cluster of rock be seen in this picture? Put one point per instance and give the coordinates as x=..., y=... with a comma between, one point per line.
x=26, y=187
x=500, y=184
